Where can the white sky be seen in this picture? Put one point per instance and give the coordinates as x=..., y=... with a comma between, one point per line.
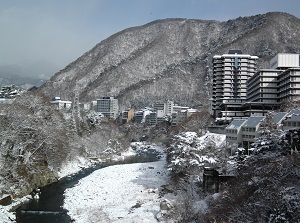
x=60, y=31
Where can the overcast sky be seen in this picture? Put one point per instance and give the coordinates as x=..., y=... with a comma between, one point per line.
x=60, y=31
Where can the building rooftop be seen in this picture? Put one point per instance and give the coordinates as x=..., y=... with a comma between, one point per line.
x=279, y=116
x=236, y=123
x=253, y=121
x=294, y=111
x=293, y=117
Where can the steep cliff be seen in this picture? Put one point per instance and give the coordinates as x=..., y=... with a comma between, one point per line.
x=171, y=58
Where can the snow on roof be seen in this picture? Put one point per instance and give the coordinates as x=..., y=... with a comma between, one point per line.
x=253, y=121
x=279, y=116
x=61, y=102
x=294, y=111
x=236, y=123
x=293, y=117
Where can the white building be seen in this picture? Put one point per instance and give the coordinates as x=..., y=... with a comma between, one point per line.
x=250, y=130
x=230, y=74
x=163, y=109
x=243, y=131
x=61, y=105
x=283, y=61
x=108, y=106
x=233, y=131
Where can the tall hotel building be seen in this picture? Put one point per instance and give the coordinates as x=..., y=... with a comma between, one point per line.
x=230, y=74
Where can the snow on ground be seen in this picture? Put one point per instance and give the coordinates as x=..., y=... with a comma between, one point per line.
x=5, y=215
x=74, y=166
x=120, y=193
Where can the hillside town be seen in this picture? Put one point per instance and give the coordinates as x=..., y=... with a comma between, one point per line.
x=247, y=104
x=242, y=95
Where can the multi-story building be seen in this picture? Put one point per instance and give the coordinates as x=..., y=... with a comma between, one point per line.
x=243, y=132
x=250, y=130
x=169, y=105
x=233, y=131
x=283, y=61
x=126, y=116
x=164, y=109
x=160, y=109
x=241, y=91
x=151, y=118
x=289, y=84
x=230, y=74
x=268, y=88
x=289, y=77
x=262, y=93
x=108, y=106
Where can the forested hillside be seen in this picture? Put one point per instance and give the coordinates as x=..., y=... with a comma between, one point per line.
x=171, y=58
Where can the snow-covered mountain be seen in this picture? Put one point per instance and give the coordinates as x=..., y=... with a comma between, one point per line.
x=171, y=58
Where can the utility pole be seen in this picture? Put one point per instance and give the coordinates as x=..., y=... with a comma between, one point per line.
x=75, y=111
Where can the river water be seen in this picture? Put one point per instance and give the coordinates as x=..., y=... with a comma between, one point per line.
x=48, y=208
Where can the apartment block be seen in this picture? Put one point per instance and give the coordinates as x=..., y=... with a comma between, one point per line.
x=151, y=118
x=289, y=84
x=230, y=74
x=108, y=106
x=163, y=109
x=262, y=93
x=243, y=131
x=268, y=88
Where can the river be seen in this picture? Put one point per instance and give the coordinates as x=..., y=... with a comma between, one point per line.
x=48, y=208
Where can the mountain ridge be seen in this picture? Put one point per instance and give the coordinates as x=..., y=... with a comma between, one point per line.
x=171, y=58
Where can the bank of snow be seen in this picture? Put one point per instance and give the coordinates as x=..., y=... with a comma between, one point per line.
x=121, y=193
x=6, y=215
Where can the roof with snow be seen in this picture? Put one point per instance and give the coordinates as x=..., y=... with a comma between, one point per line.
x=236, y=123
x=253, y=121
x=279, y=116
x=294, y=111
x=293, y=117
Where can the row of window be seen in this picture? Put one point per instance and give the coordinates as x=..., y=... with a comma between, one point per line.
x=248, y=136
x=233, y=131
x=231, y=138
x=248, y=129
x=286, y=123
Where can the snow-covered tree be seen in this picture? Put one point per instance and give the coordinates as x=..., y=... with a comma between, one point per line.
x=188, y=153
x=33, y=140
x=267, y=185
